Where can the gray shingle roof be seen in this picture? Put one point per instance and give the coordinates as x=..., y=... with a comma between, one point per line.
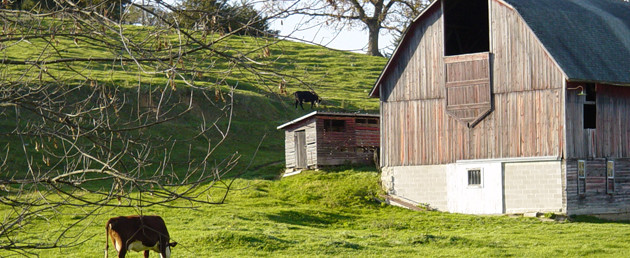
x=590, y=39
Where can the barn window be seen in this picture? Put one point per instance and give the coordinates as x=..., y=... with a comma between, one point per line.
x=367, y=122
x=590, y=107
x=333, y=125
x=610, y=177
x=581, y=173
x=474, y=177
x=466, y=27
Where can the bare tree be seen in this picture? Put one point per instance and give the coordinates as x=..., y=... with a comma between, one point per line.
x=82, y=97
x=373, y=15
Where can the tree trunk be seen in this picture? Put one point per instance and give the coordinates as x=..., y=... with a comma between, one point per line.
x=373, y=28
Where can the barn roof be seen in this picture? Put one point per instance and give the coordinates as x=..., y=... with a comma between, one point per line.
x=589, y=39
x=320, y=113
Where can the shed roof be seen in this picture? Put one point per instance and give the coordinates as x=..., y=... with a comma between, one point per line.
x=320, y=113
x=589, y=39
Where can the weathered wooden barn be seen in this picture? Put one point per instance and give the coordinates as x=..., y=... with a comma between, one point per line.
x=510, y=106
x=327, y=139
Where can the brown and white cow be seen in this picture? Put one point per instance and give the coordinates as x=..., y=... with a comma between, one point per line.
x=138, y=233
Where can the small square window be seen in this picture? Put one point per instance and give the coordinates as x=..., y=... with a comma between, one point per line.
x=474, y=177
x=333, y=125
x=366, y=122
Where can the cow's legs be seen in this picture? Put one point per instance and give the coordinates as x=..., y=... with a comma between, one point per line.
x=146, y=253
x=122, y=252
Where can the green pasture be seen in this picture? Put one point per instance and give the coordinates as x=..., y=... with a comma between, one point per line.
x=335, y=213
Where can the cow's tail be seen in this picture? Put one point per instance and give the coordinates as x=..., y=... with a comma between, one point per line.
x=106, y=239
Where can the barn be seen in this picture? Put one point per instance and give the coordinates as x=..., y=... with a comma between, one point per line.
x=330, y=138
x=510, y=106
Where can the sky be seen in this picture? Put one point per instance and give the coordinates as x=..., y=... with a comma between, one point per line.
x=350, y=39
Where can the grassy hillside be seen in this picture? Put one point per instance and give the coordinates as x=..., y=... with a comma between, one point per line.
x=342, y=79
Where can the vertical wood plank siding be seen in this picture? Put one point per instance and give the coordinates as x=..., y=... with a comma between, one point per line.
x=611, y=138
x=356, y=144
x=289, y=149
x=527, y=92
x=595, y=199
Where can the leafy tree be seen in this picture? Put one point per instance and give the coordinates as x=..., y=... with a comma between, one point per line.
x=373, y=15
x=109, y=8
x=223, y=17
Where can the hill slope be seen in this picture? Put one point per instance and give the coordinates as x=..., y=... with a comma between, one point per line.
x=342, y=79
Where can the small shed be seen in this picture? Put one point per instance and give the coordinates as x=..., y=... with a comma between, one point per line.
x=329, y=138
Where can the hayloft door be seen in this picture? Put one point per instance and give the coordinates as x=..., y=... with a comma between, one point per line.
x=300, y=149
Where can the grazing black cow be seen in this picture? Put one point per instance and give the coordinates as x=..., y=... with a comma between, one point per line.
x=138, y=233
x=306, y=96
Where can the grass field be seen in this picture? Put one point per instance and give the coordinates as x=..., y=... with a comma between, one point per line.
x=334, y=213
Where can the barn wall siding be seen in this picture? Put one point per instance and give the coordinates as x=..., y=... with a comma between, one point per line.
x=611, y=138
x=595, y=199
x=527, y=118
x=420, y=66
x=420, y=132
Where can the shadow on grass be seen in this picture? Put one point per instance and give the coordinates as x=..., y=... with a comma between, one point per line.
x=593, y=219
x=358, y=168
x=317, y=219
